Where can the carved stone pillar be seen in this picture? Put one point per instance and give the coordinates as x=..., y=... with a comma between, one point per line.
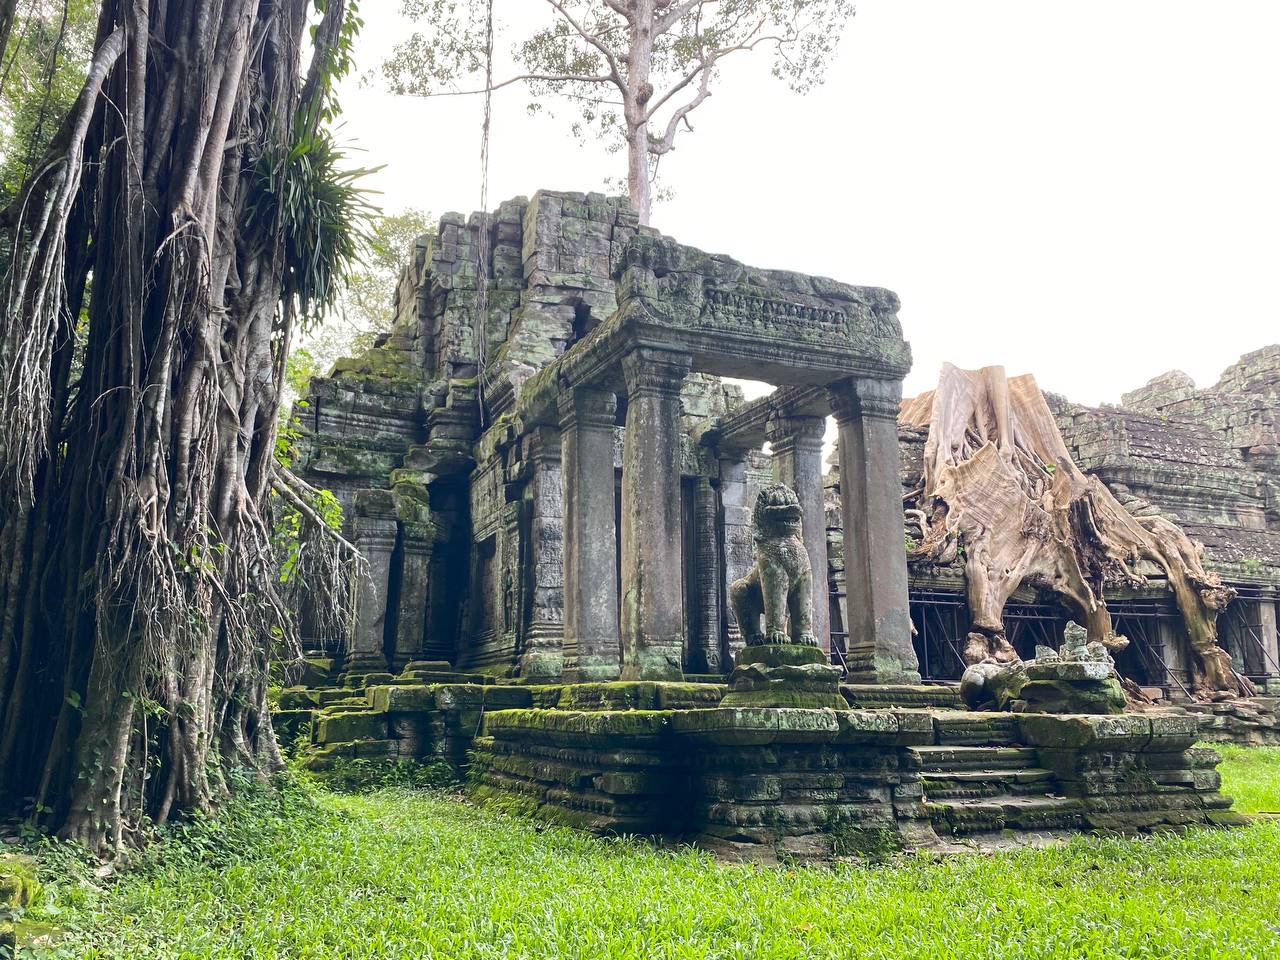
x=592, y=649
x=543, y=657
x=797, y=462
x=512, y=581
x=705, y=646
x=875, y=562
x=735, y=510
x=375, y=528
x=653, y=625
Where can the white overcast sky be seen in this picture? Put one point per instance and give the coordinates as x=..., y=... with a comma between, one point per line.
x=1087, y=191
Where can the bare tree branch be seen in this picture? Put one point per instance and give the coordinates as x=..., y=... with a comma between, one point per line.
x=545, y=77
x=673, y=16
x=595, y=41
x=669, y=136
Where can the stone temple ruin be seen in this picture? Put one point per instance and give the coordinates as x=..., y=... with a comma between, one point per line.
x=498, y=538
x=554, y=489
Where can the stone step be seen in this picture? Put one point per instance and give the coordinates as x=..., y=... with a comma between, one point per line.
x=961, y=728
x=962, y=817
x=881, y=696
x=975, y=784
x=952, y=758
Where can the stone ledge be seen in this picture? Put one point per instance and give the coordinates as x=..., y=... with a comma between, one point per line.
x=1130, y=732
x=596, y=724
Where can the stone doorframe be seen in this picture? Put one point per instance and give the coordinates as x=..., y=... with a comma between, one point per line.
x=834, y=347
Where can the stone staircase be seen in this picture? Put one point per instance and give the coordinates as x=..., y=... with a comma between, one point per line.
x=971, y=790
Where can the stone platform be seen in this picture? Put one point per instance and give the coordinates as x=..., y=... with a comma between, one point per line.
x=900, y=768
x=766, y=783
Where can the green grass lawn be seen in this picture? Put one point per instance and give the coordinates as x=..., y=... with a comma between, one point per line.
x=399, y=873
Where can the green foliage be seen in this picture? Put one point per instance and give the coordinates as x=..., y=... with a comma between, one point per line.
x=288, y=531
x=365, y=304
x=355, y=775
x=307, y=196
x=1251, y=775
x=340, y=62
x=41, y=73
x=396, y=873
x=368, y=299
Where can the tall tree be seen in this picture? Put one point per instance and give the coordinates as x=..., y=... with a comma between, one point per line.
x=189, y=211
x=659, y=58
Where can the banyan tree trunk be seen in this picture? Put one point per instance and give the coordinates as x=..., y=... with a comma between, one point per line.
x=141, y=360
x=1001, y=491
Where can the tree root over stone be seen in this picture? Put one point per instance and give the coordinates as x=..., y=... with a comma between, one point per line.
x=1001, y=492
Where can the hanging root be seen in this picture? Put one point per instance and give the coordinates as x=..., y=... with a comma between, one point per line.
x=35, y=288
x=323, y=569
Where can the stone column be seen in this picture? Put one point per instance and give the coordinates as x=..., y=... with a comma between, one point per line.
x=736, y=546
x=797, y=462
x=1270, y=639
x=875, y=562
x=592, y=648
x=543, y=657
x=1173, y=639
x=652, y=583
x=411, y=623
x=704, y=647
x=374, y=528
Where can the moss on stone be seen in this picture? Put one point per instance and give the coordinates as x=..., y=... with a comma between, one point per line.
x=346, y=727
x=19, y=885
x=783, y=698
x=596, y=723
x=876, y=844
x=781, y=654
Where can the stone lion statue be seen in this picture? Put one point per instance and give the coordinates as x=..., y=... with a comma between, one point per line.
x=780, y=584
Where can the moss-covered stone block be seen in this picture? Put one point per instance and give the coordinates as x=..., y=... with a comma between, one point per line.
x=359, y=681
x=316, y=671
x=376, y=749
x=345, y=727
x=332, y=695
x=884, y=727
x=748, y=726
x=783, y=697
x=473, y=696
x=781, y=654
x=401, y=698
x=297, y=698
x=323, y=757
x=1130, y=732
x=599, y=724
x=1173, y=732
x=978, y=729
x=19, y=885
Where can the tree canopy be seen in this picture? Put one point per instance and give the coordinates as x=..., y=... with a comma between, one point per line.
x=635, y=70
